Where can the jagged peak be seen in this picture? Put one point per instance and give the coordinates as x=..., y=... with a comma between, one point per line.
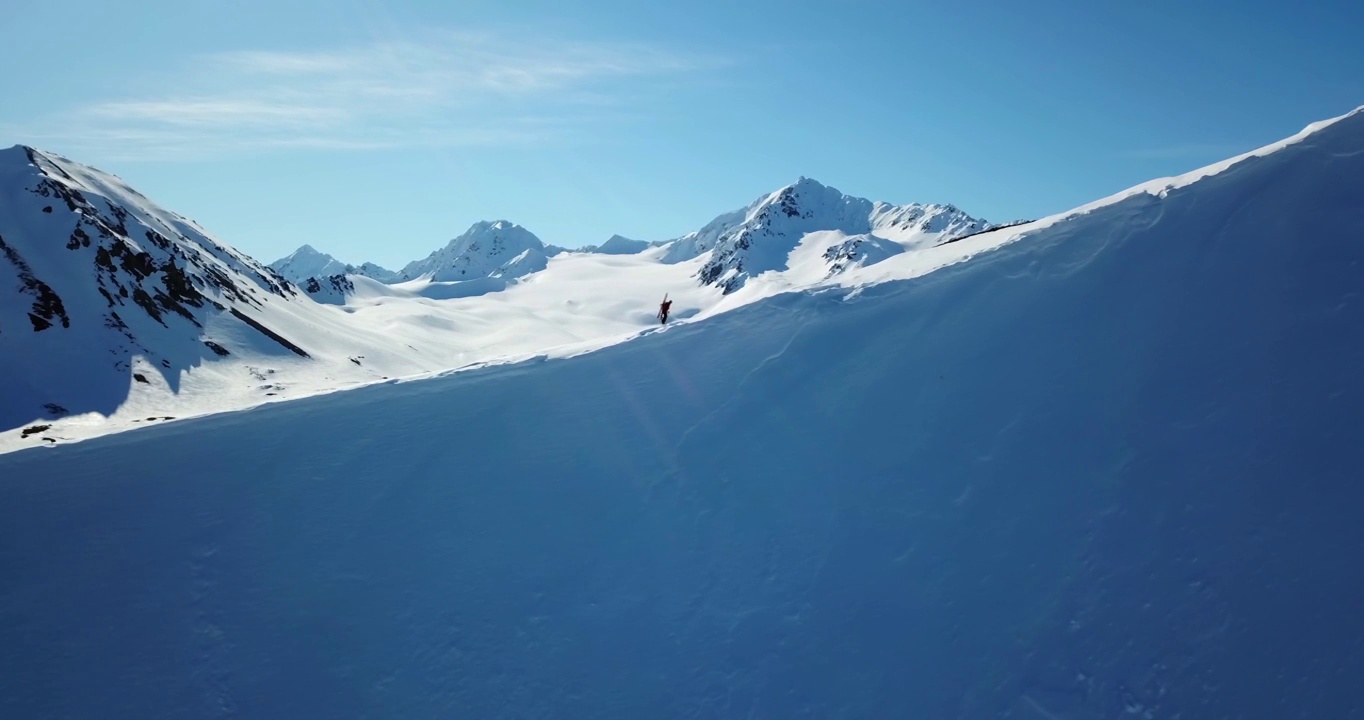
x=808, y=183
x=497, y=227
x=481, y=250
x=23, y=155
x=485, y=225
x=809, y=189
x=620, y=245
x=22, y=149
x=802, y=186
x=30, y=155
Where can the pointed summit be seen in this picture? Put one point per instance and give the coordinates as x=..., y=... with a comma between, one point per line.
x=306, y=262
x=620, y=245
x=748, y=242
x=488, y=248
x=106, y=280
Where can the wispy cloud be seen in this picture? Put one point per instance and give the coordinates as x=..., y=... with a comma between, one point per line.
x=443, y=89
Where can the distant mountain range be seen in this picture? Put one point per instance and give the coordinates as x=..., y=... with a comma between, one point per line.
x=110, y=296
x=742, y=243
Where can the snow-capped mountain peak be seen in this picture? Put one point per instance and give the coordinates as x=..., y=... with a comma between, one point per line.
x=761, y=237
x=620, y=245
x=307, y=263
x=374, y=271
x=119, y=238
x=488, y=248
x=96, y=280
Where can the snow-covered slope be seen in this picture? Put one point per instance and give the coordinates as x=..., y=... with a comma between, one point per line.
x=487, y=249
x=760, y=238
x=100, y=288
x=1107, y=469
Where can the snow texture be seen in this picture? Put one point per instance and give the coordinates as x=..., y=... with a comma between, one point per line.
x=1108, y=467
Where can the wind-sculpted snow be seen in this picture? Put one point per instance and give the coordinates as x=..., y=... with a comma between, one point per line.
x=1108, y=469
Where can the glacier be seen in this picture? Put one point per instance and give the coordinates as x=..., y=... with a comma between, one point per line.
x=1108, y=468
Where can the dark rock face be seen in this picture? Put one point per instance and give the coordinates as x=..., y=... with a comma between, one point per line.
x=269, y=333
x=47, y=306
x=157, y=273
x=93, y=275
x=34, y=430
x=726, y=266
x=131, y=263
x=338, y=284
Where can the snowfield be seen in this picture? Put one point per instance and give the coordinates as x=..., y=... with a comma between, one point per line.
x=1104, y=464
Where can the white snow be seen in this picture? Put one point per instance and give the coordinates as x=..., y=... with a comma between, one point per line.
x=494, y=294
x=761, y=238
x=519, y=303
x=1108, y=468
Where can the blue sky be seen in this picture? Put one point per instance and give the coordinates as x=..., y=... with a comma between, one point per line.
x=379, y=130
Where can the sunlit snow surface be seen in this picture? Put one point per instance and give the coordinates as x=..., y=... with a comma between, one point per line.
x=1108, y=470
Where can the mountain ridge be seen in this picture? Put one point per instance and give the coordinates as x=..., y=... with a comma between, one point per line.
x=743, y=243
x=760, y=237
x=308, y=263
x=488, y=248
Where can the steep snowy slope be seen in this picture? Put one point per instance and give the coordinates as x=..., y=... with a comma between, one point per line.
x=498, y=248
x=762, y=237
x=306, y=262
x=1108, y=470
x=100, y=288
